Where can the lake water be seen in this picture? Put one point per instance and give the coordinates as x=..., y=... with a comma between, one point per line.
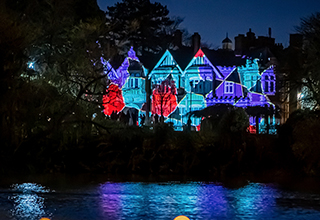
x=91, y=197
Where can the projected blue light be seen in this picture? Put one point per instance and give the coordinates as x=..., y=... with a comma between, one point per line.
x=199, y=85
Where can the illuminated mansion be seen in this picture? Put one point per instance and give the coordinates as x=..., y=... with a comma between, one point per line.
x=180, y=85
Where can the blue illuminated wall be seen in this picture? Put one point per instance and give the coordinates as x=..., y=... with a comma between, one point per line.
x=199, y=85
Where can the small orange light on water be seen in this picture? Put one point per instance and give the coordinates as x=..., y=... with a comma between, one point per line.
x=44, y=218
x=181, y=217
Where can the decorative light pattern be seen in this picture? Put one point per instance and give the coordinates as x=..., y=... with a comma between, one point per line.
x=176, y=92
x=164, y=100
x=122, y=71
x=113, y=100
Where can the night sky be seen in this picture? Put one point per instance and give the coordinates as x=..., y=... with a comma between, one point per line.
x=212, y=19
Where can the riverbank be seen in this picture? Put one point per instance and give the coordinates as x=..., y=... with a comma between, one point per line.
x=162, y=151
x=217, y=151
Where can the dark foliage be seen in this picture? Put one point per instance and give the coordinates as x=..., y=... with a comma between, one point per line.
x=144, y=25
x=300, y=62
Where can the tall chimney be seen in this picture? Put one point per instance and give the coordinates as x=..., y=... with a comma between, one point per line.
x=269, y=32
x=177, y=40
x=196, y=42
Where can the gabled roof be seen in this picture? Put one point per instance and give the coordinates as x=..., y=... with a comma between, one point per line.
x=206, y=63
x=167, y=60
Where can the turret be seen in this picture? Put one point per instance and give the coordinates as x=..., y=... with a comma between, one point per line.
x=227, y=43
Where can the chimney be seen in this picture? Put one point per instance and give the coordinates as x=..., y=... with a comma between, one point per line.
x=269, y=32
x=296, y=40
x=177, y=40
x=196, y=42
x=250, y=35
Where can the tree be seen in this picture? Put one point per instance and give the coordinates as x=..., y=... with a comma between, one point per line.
x=50, y=71
x=113, y=100
x=141, y=24
x=164, y=100
x=302, y=64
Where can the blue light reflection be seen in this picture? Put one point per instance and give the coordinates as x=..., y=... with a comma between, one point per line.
x=208, y=201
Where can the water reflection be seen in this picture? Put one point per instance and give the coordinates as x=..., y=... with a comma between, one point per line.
x=111, y=202
x=27, y=203
x=192, y=199
x=255, y=200
x=212, y=201
x=166, y=200
x=156, y=200
x=148, y=199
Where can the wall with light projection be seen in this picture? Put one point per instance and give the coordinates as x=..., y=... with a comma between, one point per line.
x=176, y=92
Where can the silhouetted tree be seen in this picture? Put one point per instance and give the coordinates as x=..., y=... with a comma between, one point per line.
x=141, y=24
x=50, y=70
x=301, y=62
x=164, y=100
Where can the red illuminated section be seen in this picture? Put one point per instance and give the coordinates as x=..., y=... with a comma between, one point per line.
x=252, y=129
x=164, y=100
x=199, y=53
x=113, y=100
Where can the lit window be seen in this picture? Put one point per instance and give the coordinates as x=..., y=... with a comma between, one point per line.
x=271, y=86
x=266, y=86
x=131, y=83
x=136, y=83
x=228, y=87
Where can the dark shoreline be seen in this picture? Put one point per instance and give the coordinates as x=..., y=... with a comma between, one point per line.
x=163, y=151
x=147, y=154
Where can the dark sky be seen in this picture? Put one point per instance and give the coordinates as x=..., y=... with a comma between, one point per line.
x=212, y=19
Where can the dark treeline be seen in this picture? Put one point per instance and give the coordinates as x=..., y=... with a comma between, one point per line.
x=223, y=148
x=51, y=88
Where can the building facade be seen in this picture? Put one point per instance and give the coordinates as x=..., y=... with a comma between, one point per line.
x=179, y=86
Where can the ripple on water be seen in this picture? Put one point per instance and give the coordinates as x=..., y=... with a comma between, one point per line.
x=27, y=201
